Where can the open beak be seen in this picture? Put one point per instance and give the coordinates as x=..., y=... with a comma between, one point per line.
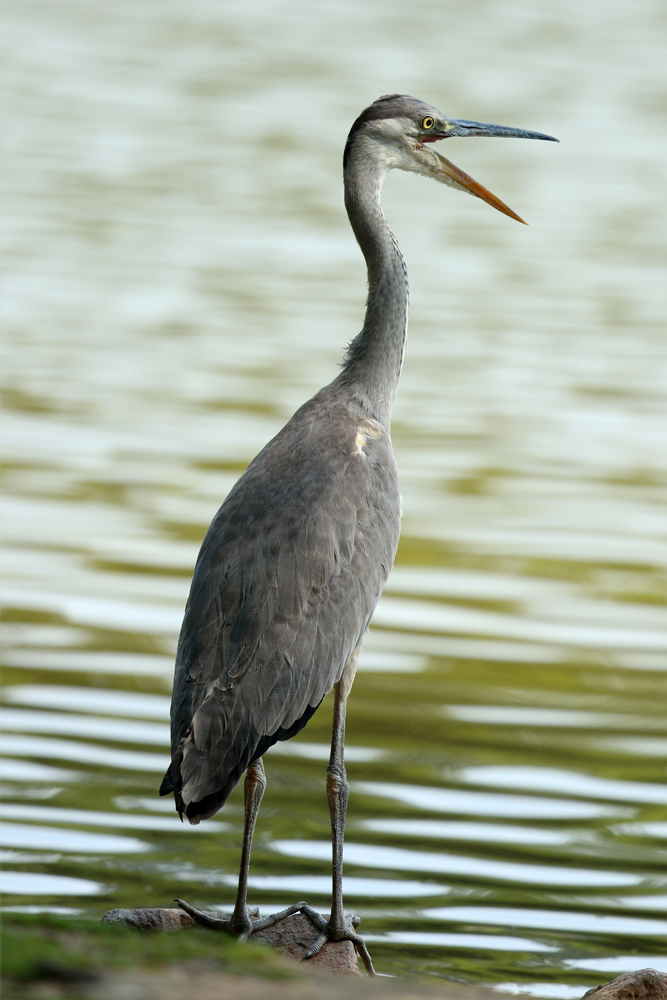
x=456, y=177
x=465, y=128
x=460, y=179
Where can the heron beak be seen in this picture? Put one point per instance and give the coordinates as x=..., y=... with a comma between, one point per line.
x=465, y=128
x=458, y=178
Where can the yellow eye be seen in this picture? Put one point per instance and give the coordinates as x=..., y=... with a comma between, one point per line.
x=427, y=122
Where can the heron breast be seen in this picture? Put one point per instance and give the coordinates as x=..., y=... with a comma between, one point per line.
x=367, y=430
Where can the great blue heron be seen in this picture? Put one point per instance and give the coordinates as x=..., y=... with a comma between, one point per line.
x=293, y=564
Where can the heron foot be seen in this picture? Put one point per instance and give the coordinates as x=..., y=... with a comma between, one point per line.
x=328, y=932
x=253, y=921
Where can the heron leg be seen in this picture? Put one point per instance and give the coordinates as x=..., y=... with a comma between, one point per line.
x=244, y=921
x=338, y=791
x=339, y=927
x=253, y=791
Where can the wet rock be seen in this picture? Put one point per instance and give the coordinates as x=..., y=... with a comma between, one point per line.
x=291, y=937
x=645, y=984
x=294, y=936
x=152, y=919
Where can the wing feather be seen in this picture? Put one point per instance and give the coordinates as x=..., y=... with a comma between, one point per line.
x=285, y=585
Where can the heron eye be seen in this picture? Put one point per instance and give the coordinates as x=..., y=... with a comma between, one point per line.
x=427, y=122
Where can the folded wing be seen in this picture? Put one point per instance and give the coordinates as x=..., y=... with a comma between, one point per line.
x=285, y=585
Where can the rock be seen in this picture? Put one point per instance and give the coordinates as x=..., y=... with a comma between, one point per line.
x=294, y=936
x=291, y=937
x=153, y=919
x=645, y=984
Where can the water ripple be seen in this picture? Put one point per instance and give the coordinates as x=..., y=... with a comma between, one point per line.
x=576, y=923
x=566, y=783
x=51, y=838
x=399, y=859
x=457, y=800
x=171, y=296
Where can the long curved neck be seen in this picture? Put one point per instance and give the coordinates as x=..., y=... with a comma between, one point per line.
x=373, y=361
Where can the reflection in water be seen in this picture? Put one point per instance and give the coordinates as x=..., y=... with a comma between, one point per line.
x=492, y=942
x=426, y=616
x=149, y=804
x=171, y=295
x=51, y=838
x=492, y=833
x=644, y=830
x=566, y=783
x=26, y=770
x=40, y=884
x=398, y=859
x=554, y=991
x=617, y=964
x=374, y=888
x=645, y=902
x=456, y=800
x=65, y=911
x=636, y=747
x=86, y=817
x=99, y=701
x=29, y=857
x=86, y=753
x=501, y=715
x=91, y=662
x=322, y=751
x=391, y=663
x=121, y=730
x=586, y=923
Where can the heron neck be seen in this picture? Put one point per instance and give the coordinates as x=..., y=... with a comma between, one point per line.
x=373, y=361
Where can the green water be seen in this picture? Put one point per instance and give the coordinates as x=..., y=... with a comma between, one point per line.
x=179, y=276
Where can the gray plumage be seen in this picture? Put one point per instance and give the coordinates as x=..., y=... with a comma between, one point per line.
x=294, y=562
x=285, y=585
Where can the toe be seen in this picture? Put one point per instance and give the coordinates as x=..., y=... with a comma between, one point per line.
x=315, y=918
x=275, y=918
x=364, y=954
x=205, y=919
x=315, y=948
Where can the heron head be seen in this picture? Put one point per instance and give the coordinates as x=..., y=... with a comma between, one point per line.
x=397, y=131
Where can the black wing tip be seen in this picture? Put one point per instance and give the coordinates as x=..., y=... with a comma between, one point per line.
x=195, y=812
x=172, y=781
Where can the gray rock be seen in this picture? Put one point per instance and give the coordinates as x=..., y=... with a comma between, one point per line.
x=645, y=984
x=153, y=919
x=291, y=937
x=294, y=936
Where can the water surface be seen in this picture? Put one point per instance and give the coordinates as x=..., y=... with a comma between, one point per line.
x=179, y=277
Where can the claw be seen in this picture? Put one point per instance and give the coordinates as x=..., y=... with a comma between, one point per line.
x=259, y=923
x=364, y=955
x=256, y=922
x=315, y=948
x=205, y=919
x=327, y=934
